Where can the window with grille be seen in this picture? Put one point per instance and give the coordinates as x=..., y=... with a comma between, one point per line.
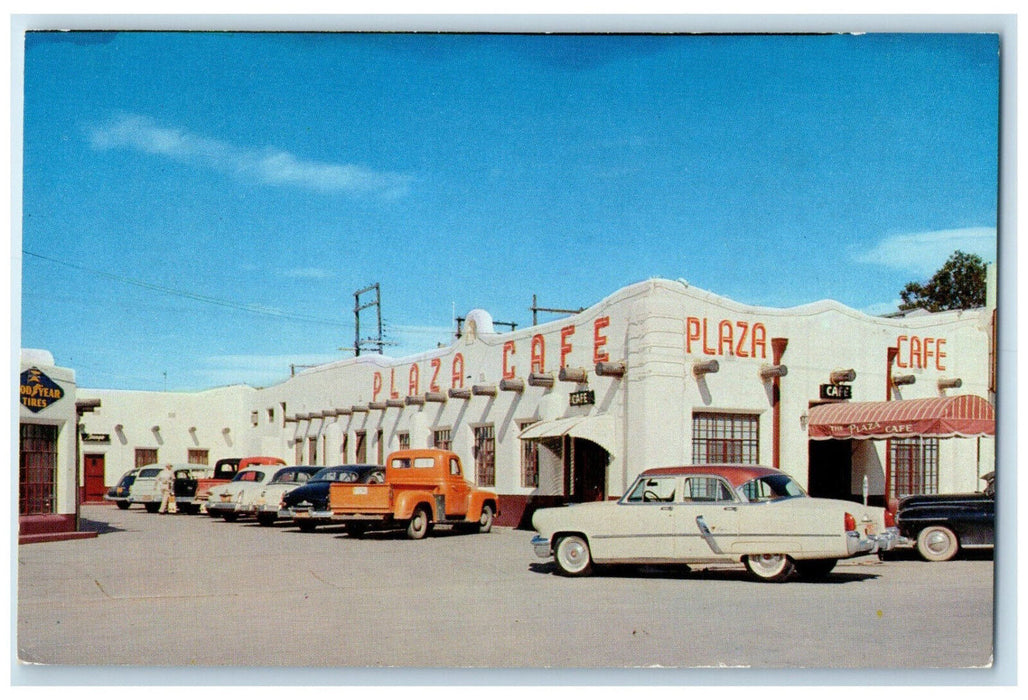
x=197, y=457
x=403, y=439
x=915, y=466
x=441, y=439
x=529, y=460
x=145, y=455
x=361, y=448
x=485, y=455
x=38, y=469
x=725, y=438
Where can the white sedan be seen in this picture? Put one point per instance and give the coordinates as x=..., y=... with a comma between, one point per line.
x=223, y=498
x=264, y=502
x=714, y=513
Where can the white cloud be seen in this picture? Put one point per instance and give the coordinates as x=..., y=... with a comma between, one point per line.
x=923, y=253
x=268, y=165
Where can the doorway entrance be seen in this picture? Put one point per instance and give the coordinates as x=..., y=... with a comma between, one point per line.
x=585, y=470
x=94, y=469
x=830, y=474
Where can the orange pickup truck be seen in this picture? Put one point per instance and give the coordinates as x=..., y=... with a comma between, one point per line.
x=422, y=488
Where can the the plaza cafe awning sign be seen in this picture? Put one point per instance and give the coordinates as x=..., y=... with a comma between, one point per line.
x=38, y=391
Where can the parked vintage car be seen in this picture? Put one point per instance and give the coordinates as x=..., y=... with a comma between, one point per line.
x=308, y=504
x=145, y=488
x=714, y=513
x=263, y=502
x=119, y=493
x=940, y=525
x=222, y=499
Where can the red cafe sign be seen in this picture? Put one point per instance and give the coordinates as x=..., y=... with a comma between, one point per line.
x=440, y=372
x=916, y=352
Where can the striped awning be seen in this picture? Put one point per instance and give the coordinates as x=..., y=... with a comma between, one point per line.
x=598, y=429
x=947, y=416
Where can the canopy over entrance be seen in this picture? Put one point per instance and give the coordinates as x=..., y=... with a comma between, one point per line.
x=947, y=416
x=598, y=429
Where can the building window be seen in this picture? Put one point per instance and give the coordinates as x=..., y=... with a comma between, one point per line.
x=485, y=455
x=404, y=440
x=145, y=455
x=361, y=448
x=915, y=466
x=441, y=439
x=38, y=469
x=312, y=450
x=725, y=438
x=197, y=456
x=529, y=460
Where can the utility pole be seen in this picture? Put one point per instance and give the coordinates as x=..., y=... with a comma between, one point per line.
x=536, y=308
x=377, y=341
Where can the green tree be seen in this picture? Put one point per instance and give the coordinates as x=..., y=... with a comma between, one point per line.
x=958, y=284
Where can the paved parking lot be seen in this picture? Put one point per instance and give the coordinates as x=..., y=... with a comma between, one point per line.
x=187, y=591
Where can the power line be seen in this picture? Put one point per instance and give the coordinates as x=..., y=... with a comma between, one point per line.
x=192, y=295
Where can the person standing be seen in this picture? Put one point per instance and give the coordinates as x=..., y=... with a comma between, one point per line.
x=166, y=480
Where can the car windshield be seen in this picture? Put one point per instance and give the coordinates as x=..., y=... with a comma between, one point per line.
x=149, y=473
x=771, y=488
x=335, y=475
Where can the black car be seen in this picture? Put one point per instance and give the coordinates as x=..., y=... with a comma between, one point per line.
x=940, y=525
x=307, y=505
x=119, y=492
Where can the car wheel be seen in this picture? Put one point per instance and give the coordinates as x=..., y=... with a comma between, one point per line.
x=815, y=568
x=306, y=526
x=152, y=507
x=572, y=556
x=485, y=523
x=123, y=505
x=230, y=517
x=937, y=543
x=773, y=568
x=356, y=530
x=420, y=524
x=266, y=520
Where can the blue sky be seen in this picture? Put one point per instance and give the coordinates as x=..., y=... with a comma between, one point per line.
x=199, y=208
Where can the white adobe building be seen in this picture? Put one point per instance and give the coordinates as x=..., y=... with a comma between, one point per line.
x=658, y=373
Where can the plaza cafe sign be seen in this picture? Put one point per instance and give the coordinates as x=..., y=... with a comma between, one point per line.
x=38, y=391
x=714, y=337
x=739, y=338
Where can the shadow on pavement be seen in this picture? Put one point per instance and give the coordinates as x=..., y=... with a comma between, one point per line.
x=683, y=572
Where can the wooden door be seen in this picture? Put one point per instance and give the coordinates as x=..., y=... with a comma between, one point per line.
x=94, y=468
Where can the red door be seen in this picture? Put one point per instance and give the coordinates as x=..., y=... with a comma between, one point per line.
x=94, y=468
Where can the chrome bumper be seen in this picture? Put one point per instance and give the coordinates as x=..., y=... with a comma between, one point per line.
x=220, y=507
x=541, y=545
x=307, y=514
x=872, y=544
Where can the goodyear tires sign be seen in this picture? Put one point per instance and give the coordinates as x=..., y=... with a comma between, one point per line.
x=38, y=391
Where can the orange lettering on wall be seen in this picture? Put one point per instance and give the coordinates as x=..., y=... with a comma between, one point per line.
x=916, y=352
x=740, y=347
x=565, y=346
x=600, y=340
x=457, y=372
x=434, y=384
x=508, y=350
x=413, y=381
x=900, y=342
x=707, y=350
x=759, y=341
x=538, y=354
x=393, y=393
x=724, y=337
x=376, y=385
x=940, y=355
x=692, y=332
